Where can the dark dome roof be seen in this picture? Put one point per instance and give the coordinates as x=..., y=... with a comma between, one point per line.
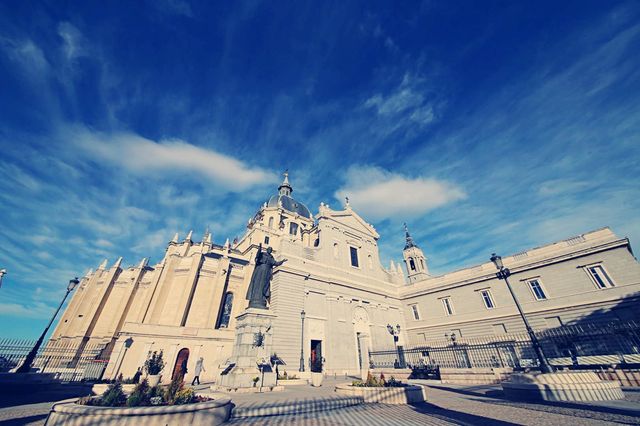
x=289, y=204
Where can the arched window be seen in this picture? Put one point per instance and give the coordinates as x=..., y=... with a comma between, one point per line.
x=412, y=264
x=225, y=316
x=422, y=263
x=316, y=243
x=271, y=222
x=335, y=250
x=370, y=261
x=293, y=228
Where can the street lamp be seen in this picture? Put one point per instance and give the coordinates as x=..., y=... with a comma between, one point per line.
x=3, y=272
x=31, y=356
x=395, y=332
x=503, y=274
x=302, y=315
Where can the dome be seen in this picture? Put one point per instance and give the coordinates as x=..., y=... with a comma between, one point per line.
x=289, y=204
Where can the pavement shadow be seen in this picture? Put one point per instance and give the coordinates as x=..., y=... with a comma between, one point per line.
x=489, y=393
x=495, y=396
x=458, y=417
x=584, y=406
x=292, y=406
x=10, y=397
x=23, y=420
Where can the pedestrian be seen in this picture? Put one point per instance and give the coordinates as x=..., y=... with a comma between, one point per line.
x=183, y=369
x=199, y=369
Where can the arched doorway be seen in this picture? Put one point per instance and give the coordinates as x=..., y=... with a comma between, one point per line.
x=361, y=327
x=183, y=358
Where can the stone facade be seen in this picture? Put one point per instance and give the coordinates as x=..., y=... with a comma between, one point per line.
x=187, y=305
x=570, y=292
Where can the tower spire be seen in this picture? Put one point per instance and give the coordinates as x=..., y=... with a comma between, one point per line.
x=285, y=187
x=414, y=259
x=409, y=240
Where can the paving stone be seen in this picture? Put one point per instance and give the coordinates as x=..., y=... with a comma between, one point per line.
x=447, y=404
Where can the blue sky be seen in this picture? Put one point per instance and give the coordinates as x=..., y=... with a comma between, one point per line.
x=486, y=127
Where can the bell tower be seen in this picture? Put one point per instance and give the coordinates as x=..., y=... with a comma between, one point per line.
x=414, y=259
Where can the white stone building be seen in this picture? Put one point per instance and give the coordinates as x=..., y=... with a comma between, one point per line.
x=187, y=303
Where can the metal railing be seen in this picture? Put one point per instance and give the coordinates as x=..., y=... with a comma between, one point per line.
x=65, y=361
x=587, y=345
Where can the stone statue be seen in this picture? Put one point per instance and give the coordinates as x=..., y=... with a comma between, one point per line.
x=260, y=286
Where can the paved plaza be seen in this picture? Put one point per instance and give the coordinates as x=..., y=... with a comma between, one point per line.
x=447, y=404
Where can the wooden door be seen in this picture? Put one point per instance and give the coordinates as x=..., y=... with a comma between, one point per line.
x=183, y=357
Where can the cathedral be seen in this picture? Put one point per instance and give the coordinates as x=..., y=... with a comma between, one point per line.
x=332, y=298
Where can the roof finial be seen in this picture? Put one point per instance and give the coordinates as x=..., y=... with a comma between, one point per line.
x=346, y=202
x=409, y=241
x=285, y=187
x=207, y=236
x=118, y=262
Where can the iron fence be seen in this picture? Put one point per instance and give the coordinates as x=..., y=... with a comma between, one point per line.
x=66, y=361
x=577, y=346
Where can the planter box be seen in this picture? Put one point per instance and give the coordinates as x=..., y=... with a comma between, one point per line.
x=69, y=413
x=561, y=386
x=403, y=395
x=316, y=379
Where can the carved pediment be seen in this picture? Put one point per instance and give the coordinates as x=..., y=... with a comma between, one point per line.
x=351, y=220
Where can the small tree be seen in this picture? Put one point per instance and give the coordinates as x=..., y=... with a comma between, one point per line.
x=114, y=396
x=140, y=395
x=154, y=364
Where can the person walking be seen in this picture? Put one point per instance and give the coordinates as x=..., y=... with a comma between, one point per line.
x=198, y=370
x=183, y=369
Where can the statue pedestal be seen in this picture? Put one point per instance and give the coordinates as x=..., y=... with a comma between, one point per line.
x=249, y=351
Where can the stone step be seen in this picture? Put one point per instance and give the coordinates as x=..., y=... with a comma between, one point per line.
x=294, y=407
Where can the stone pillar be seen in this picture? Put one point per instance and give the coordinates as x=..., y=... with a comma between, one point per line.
x=247, y=351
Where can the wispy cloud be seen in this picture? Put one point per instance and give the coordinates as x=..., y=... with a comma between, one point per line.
x=379, y=194
x=36, y=310
x=140, y=156
x=406, y=103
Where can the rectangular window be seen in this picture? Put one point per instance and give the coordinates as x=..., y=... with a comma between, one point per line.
x=537, y=290
x=354, y=256
x=293, y=228
x=486, y=297
x=600, y=276
x=266, y=240
x=448, y=307
x=416, y=313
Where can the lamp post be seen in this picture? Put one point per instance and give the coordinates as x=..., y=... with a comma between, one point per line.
x=302, y=315
x=503, y=274
x=395, y=332
x=127, y=345
x=3, y=272
x=31, y=356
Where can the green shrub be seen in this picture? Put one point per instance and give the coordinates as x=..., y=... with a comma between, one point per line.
x=113, y=397
x=140, y=395
x=171, y=392
x=372, y=382
x=184, y=396
x=154, y=364
x=88, y=400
